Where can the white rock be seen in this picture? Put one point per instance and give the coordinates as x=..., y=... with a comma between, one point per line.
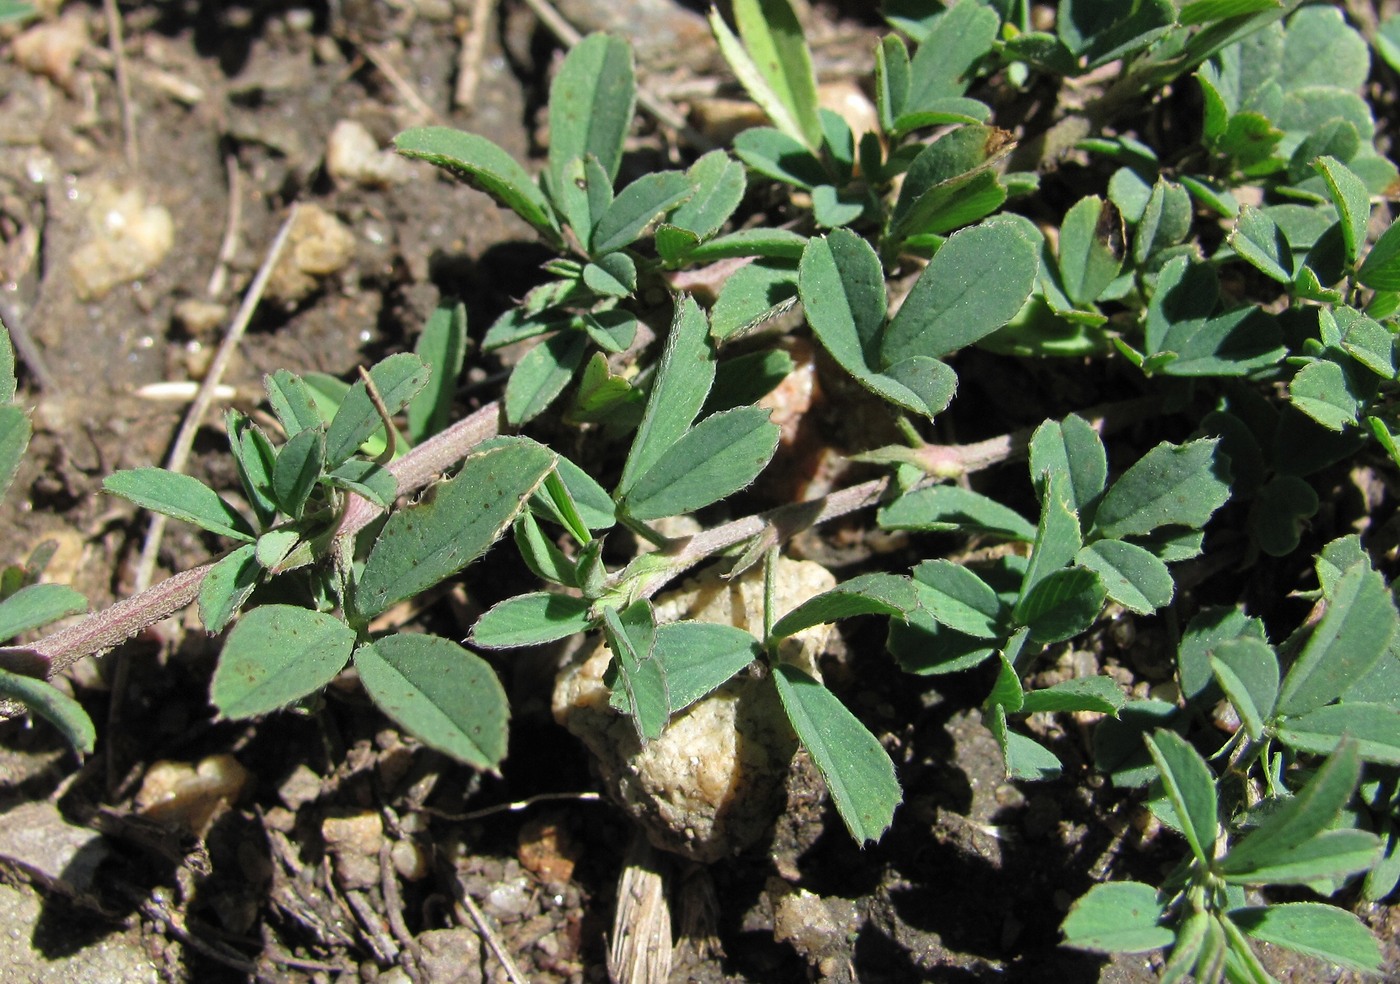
x=711, y=785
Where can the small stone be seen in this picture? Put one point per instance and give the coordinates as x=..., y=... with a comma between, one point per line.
x=712, y=784
x=410, y=860
x=510, y=899
x=353, y=841
x=318, y=245
x=127, y=239
x=199, y=318
x=548, y=849
x=451, y=956
x=300, y=788
x=192, y=796
x=52, y=48
x=354, y=157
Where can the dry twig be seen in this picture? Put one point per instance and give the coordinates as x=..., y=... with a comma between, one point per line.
x=472, y=51
x=114, y=38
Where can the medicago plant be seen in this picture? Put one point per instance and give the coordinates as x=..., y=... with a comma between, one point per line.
x=1230, y=270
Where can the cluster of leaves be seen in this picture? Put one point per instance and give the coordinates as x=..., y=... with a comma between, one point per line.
x=25, y=602
x=1125, y=275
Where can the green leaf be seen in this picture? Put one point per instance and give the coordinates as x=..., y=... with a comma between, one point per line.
x=255, y=458
x=956, y=597
x=275, y=655
x=1248, y=672
x=1374, y=727
x=719, y=185
x=179, y=497
x=541, y=375
x=1287, y=836
x=718, y=457
x=1353, y=634
x=949, y=508
x=1166, y=220
x=1133, y=577
x=614, y=275
x=778, y=244
x=1352, y=200
x=483, y=165
x=869, y=594
x=1102, y=30
x=1208, y=629
x=1260, y=242
x=1333, y=854
x=1205, y=11
x=843, y=293
x=758, y=66
x=38, y=604
x=1072, y=448
x=683, y=379
x=637, y=206
x=773, y=38
x=1381, y=268
x=1190, y=786
x=891, y=80
x=291, y=401
x=591, y=103
x=1118, y=917
x=858, y=773
x=944, y=62
x=950, y=183
x=751, y=295
x=747, y=378
x=1325, y=932
x=1323, y=391
x=595, y=507
x=545, y=560
x=531, y=619
x=442, y=346
x=298, y=466
x=15, y=431
x=781, y=157
x=1057, y=537
x=1179, y=324
x=975, y=284
x=631, y=636
x=1062, y=605
x=13, y=11
x=443, y=695
x=1091, y=248
x=398, y=379
x=367, y=479
x=1025, y=758
x=1171, y=484
x=434, y=539
x=54, y=706
x=1096, y=693
x=582, y=193
x=227, y=586
x=698, y=657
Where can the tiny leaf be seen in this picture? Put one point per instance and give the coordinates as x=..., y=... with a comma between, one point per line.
x=275, y=655
x=444, y=695
x=858, y=772
x=180, y=497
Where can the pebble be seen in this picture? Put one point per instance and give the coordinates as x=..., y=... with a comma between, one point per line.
x=353, y=841
x=191, y=795
x=711, y=785
x=318, y=246
x=127, y=238
x=354, y=157
x=52, y=48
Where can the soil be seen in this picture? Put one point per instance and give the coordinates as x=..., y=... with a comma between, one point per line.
x=346, y=847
